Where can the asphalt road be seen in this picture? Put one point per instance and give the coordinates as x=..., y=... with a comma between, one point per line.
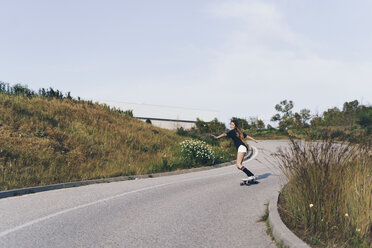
x=200, y=209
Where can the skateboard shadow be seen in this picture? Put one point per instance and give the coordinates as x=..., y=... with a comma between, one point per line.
x=263, y=176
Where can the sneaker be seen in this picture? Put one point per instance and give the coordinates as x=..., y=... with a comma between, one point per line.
x=252, y=178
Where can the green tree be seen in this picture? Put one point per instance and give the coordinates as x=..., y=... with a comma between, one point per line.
x=260, y=124
x=128, y=112
x=333, y=117
x=202, y=126
x=297, y=120
x=285, y=117
x=256, y=123
x=364, y=118
x=3, y=87
x=213, y=126
x=269, y=127
x=301, y=119
x=316, y=121
x=350, y=106
x=349, y=111
x=19, y=89
x=305, y=117
x=216, y=126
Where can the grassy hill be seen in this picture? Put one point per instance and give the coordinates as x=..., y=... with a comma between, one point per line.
x=49, y=140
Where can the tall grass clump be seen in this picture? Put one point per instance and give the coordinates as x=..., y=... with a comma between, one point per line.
x=328, y=196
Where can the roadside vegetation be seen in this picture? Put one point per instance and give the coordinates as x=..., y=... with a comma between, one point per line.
x=328, y=198
x=49, y=137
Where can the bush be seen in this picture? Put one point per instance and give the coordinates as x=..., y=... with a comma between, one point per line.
x=197, y=152
x=213, y=126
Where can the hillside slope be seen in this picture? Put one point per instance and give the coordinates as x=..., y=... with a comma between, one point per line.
x=44, y=141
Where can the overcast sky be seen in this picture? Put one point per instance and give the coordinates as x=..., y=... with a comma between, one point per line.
x=238, y=58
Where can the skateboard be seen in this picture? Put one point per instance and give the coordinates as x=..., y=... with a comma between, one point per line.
x=246, y=181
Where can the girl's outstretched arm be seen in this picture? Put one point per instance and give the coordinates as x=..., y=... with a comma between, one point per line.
x=249, y=137
x=220, y=136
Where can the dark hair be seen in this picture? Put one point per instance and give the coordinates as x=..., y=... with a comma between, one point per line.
x=236, y=123
x=239, y=130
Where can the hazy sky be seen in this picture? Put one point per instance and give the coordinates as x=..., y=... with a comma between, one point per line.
x=239, y=58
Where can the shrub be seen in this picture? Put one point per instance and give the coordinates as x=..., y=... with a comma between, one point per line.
x=197, y=152
x=213, y=126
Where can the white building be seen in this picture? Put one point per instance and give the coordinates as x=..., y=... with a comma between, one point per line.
x=165, y=116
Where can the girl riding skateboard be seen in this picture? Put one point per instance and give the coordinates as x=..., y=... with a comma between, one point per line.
x=237, y=135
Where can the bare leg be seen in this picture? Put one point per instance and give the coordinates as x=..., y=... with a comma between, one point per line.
x=239, y=160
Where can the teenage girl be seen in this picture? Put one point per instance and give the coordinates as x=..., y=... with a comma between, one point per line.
x=238, y=136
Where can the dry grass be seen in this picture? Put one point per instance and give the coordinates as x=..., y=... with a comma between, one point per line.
x=328, y=198
x=45, y=141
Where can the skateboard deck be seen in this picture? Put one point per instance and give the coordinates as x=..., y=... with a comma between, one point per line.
x=246, y=181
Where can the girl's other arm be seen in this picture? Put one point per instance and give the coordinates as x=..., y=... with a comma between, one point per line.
x=220, y=136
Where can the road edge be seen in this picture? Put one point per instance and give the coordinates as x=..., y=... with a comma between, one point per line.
x=37, y=189
x=280, y=231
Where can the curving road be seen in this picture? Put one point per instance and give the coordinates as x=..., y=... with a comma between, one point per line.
x=200, y=209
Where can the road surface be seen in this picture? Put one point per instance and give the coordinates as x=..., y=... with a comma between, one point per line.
x=200, y=209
